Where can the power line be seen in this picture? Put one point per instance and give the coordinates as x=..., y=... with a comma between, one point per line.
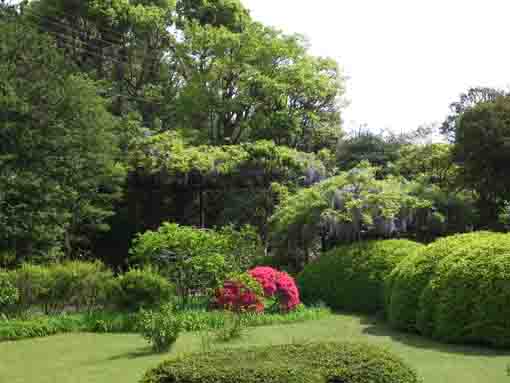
x=70, y=44
x=108, y=44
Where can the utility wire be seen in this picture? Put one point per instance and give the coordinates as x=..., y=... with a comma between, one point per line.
x=65, y=41
x=108, y=44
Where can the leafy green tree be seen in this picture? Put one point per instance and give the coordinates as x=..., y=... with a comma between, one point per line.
x=482, y=150
x=433, y=161
x=346, y=208
x=257, y=84
x=379, y=149
x=122, y=43
x=466, y=101
x=227, y=13
x=58, y=153
x=196, y=259
x=438, y=179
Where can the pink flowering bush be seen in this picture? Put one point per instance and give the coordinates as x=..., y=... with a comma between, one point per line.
x=239, y=294
x=279, y=285
x=243, y=293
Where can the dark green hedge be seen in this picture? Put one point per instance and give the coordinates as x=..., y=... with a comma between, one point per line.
x=85, y=286
x=310, y=363
x=352, y=277
x=456, y=290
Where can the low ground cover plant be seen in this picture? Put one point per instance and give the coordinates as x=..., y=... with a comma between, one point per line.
x=116, y=322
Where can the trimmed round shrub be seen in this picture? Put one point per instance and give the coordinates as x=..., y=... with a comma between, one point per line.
x=310, y=363
x=351, y=277
x=457, y=290
x=142, y=288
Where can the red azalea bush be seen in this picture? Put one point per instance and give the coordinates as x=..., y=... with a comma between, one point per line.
x=235, y=296
x=243, y=293
x=277, y=284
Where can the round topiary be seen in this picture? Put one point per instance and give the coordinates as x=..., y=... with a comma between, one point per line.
x=142, y=288
x=352, y=277
x=310, y=363
x=456, y=290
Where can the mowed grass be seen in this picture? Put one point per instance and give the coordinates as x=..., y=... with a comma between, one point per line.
x=94, y=358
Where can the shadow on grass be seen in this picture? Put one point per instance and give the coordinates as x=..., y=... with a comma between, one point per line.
x=377, y=327
x=140, y=353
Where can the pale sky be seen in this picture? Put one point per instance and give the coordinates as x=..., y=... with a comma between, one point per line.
x=406, y=60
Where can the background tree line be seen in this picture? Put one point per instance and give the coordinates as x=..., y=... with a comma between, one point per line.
x=88, y=87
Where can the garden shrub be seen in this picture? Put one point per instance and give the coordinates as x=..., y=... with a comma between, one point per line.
x=9, y=294
x=142, y=288
x=457, y=289
x=57, y=286
x=308, y=363
x=80, y=284
x=351, y=277
x=34, y=284
x=233, y=327
x=39, y=327
x=196, y=259
x=160, y=328
x=239, y=293
x=279, y=285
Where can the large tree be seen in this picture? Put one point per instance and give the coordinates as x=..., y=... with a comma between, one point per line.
x=482, y=149
x=257, y=84
x=467, y=100
x=58, y=167
x=200, y=66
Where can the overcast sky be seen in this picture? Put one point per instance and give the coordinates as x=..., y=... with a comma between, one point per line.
x=406, y=60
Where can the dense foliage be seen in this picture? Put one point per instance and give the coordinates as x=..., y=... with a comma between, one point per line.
x=160, y=328
x=349, y=362
x=210, y=144
x=9, y=294
x=481, y=137
x=351, y=277
x=277, y=285
x=240, y=293
x=345, y=208
x=175, y=162
x=141, y=288
x=196, y=259
x=57, y=287
x=58, y=153
x=120, y=72
x=80, y=286
x=454, y=290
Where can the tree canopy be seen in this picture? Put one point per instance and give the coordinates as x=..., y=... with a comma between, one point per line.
x=482, y=150
x=59, y=168
x=345, y=208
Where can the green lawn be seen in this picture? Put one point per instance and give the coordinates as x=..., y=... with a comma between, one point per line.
x=93, y=358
